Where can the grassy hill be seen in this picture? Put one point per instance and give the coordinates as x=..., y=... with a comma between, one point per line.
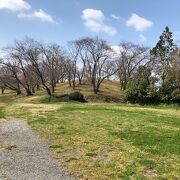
x=98, y=140
x=109, y=92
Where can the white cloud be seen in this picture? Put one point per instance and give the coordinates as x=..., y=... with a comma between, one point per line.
x=95, y=21
x=142, y=38
x=41, y=15
x=139, y=23
x=115, y=17
x=117, y=49
x=14, y=5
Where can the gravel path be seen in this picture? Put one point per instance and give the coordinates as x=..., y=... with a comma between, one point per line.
x=30, y=159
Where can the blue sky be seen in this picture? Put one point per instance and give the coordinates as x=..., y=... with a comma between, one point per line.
x=139, y=21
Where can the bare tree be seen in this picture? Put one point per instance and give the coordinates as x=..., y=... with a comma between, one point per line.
x=33, y=57
x=2, y=84
x=52, y=64
x=129, y=58
x=16, y=62
x=69, y=71
x=31, y=63
x=74, y=52
x=83, y=57
x=8, y=81
x=97, y=57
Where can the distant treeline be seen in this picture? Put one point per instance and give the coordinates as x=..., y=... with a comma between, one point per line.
x=145, y=75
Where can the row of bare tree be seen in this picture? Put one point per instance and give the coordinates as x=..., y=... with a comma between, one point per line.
x=29, y=64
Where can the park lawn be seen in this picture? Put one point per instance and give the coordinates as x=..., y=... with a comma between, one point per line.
x=104, y=141
x=1, y=112
x=109, y=141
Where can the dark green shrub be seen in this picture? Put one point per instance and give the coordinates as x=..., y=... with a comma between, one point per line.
x=77, y=96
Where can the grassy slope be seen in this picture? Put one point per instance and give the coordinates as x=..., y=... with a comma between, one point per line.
x=1, y=113
x=110, y=90
x=105, y=141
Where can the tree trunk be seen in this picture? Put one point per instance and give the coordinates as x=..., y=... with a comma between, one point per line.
x=80, y=81
x=33, y=89
x=28, y=92
x=69, y=80
x=48, y=91
x=2, y=90
x=95, y=90
x=38, y=87
x=18, y=92
x=53, y=88
x=74, y=85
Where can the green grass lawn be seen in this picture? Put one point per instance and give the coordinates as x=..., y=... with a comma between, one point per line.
x=114, y=141
x=104, y=141
x=1, y=113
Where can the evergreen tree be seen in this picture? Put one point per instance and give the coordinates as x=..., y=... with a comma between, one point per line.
x=141, y=87
x=161, y=54
x=170, y=87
